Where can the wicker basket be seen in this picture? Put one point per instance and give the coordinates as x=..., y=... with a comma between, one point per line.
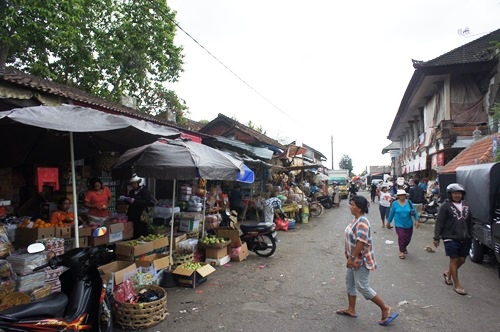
x=134, y=316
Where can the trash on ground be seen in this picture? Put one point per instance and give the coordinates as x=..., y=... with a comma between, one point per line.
x=389, y=242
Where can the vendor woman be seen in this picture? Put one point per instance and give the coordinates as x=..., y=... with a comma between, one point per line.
x=98, y=199
x=62, y=214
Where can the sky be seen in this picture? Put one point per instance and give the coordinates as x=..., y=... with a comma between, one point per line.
x=317, y=71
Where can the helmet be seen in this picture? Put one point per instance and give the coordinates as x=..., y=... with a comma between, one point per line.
x=135, y=178
x=453, y=188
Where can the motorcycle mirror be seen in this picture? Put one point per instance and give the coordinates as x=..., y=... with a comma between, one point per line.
x=36, y=248
x=100, y=231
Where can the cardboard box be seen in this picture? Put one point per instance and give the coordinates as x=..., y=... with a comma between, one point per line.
x=188, y=225
x=232, y=234
x=115, y=231
x=130, y=253
x=82, y=231
x=63, y=232
x=26, y=236
x=178, y=238
x=192, y=278
x=242, y=253
x=83, y=241
x=218, y=261
x=215, y=252
x=99, y=241
x=160, y=243
x=158, y=261
x=118, y=268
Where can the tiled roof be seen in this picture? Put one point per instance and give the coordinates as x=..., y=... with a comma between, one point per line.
x=478, y=50
x=19, y=78
x=249, y=131
x=479, y=152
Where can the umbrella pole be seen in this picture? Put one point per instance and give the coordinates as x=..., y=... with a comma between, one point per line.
x=172, y=223
x=204, y=209
x=73, y=180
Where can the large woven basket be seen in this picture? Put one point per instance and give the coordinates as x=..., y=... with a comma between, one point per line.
x=134, y=316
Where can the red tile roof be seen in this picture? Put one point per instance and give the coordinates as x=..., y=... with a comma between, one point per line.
x=479, y=152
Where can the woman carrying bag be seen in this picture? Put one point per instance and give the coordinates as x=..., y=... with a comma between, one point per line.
x=403, y=212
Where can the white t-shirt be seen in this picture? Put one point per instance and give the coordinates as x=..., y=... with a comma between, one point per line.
x=384, y=198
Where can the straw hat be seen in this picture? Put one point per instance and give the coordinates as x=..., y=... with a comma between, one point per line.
x=401, y=192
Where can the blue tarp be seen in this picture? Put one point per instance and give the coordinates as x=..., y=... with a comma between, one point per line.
x=247, y=177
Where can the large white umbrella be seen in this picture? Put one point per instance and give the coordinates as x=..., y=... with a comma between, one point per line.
x=179, y=159
x=58, y=133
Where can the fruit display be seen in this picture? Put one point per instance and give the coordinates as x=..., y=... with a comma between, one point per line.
x=213, y=241
x=192, y=266
x=143, y=277
x=151, y=237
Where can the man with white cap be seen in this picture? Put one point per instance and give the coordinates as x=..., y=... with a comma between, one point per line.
x=138, y=199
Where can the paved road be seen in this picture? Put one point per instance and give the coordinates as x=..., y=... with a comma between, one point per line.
x=301, y=286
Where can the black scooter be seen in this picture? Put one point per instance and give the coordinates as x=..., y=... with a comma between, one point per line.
x=82, y=304
x=429, y=211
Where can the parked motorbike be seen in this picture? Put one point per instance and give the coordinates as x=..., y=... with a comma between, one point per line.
x=261, y=237
x=315, y=207
x=82, y=305
x=429, y=211
x=326, y=201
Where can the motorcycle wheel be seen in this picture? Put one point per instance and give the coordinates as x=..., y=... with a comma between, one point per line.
x=476, y=251
x=105, y=316
x=264, y=245
x=315, y=209
x=423, y=218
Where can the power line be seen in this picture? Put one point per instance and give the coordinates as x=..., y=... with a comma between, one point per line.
x=224, y=65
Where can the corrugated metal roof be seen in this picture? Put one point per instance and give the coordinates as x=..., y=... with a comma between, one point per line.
x=262, y=153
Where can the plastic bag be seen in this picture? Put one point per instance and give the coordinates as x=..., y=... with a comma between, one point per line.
x=125, y=292
x=281, y=225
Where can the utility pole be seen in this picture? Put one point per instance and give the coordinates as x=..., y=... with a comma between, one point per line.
x=332, y=150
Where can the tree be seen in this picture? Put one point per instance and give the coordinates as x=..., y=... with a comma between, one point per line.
x=346, y=163
x=108, y=48
x=253, y=126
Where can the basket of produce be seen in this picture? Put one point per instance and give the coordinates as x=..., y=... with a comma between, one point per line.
x=180, y=258
x=213, y=241
x=13, y=299
x=146, y=309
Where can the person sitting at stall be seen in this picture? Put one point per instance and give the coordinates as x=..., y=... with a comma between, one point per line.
x=236, y=200
x=97, y=199
x=63, y=214
x=270, y=205
x=139, y=198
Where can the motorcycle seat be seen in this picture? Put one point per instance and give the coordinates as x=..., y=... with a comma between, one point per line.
x=258, y=227
x=49, y=306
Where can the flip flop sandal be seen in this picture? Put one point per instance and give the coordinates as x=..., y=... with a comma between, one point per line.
x=460, y=291
x=387, y=320
x=345, y=313
x=402, y=256
x=447, y=280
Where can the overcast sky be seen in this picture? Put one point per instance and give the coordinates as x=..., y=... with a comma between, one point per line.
x=327, y=68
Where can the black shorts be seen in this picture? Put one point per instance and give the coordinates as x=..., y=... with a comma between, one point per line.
x=456, y=248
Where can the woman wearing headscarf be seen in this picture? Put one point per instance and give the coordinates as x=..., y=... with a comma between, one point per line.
x=403, y=212
x=454, y=226
x=360, y=261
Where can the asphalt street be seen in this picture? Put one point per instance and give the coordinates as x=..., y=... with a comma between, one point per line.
x=302, y=285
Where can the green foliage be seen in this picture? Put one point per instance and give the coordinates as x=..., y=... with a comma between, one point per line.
x=346, y=163
x=108, y=48
x=260, y=129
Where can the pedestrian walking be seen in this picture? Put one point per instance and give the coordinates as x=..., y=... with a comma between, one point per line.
x=360, y=261
x=403, y=212
x=417, y=196
x=454, y=226
x=384, y=201
x=373, y=191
